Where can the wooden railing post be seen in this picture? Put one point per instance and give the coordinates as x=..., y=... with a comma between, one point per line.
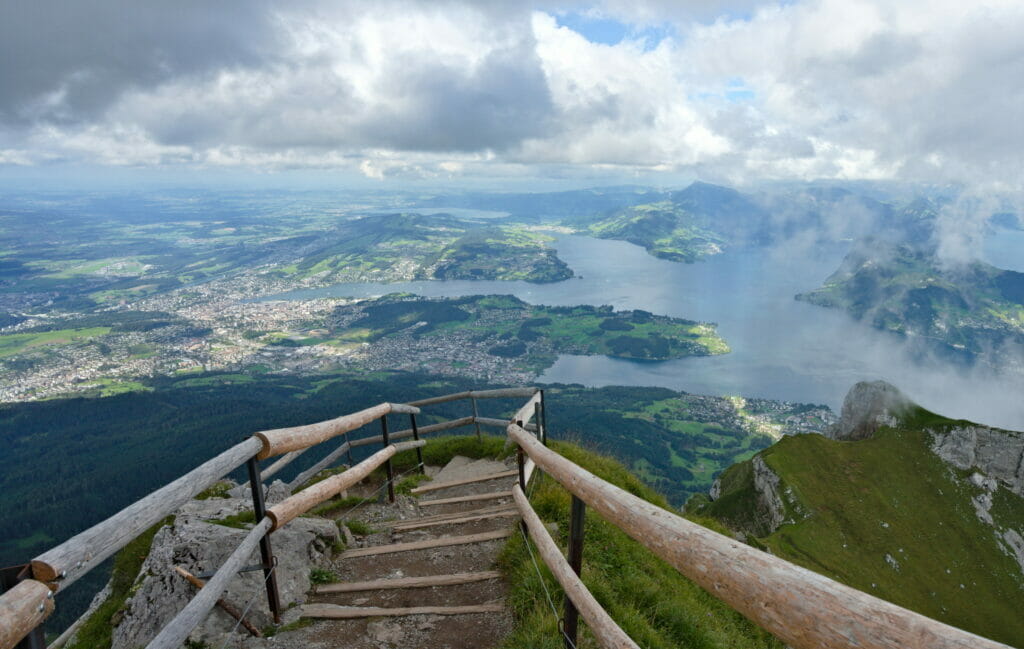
x=349, y=451
x=387, y=465
x=259, y=508
x=476, y=413
x=576, y=522
x=416, y=438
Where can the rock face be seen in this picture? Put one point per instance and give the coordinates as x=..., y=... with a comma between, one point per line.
x=770, y=507
x=199, y=546
x=998, y=454
x=869, y=406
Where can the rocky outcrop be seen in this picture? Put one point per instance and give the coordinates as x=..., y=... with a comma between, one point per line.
x=771, y=511
x=998, y=454
x=869, y=406
x=200, y=546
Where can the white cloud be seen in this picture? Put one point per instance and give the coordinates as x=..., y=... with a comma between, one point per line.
x=821, y=88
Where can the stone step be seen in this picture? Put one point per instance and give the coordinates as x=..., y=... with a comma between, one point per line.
x=455, y=521
x=336, y=612
x=410, y=582
x=434, y=486
x=428, y=543
x=465, y=499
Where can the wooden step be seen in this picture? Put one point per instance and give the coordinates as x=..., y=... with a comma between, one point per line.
x=458, y=483
x=429, y=543
x=454, y=521
x=410, y=582
x=336, y=612
x=466, y=499
x=467, y=512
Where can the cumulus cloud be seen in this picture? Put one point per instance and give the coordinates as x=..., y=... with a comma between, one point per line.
x=734, y=91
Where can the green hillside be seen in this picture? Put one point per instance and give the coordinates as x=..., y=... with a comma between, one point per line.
x=886, y=515
x=907, y=290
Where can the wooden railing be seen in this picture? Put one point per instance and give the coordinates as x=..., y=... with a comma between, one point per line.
x=802, y=608
x=25, y=606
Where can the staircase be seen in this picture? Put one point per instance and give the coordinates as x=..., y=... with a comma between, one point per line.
x=426, y=576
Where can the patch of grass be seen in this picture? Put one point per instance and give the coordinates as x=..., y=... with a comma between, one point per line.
x=239, y=521
x=96, y=632
x=407, y=484
x=440, y=450
x=359, y=528
x=650, y=600
x=218, y=489
x=11, y=344
x=338, y=546
x=321, y=576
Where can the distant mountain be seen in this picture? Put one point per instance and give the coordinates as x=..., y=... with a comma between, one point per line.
x=687, y=225
x=896, y=501
x=548, y=206
x=970, y=309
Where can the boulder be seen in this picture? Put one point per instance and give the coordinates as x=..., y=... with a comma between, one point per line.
x=869, y=406
x=199, y=546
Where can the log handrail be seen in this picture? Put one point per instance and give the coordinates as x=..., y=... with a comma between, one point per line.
x=609, y=635
x=22, y=609
x=500, y=393
x=283, y=440
x=800, y=607
x=64, y=564
x=286, y=510
x=70, y=560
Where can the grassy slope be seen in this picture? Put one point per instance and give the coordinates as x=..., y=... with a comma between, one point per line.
x=652, y=602
x=891, y=496
x=664, y=229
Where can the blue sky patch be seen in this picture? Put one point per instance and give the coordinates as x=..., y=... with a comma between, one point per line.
x=608, y=31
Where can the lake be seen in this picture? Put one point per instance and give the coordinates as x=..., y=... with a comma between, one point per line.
x=782, y=348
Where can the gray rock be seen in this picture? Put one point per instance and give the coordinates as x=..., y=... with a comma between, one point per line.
x=1014, y=543
x=998, y=454
x=159, y=593
x=771, y=509
x=869, y=406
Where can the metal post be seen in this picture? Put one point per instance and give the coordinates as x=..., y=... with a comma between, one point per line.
x=416, y=437
x=576, y=522
x=522, y=468
x=259, y=508
x=9, y=578
x=476, y=414
x=387, y=464
x=543, y=419
x=536, y=419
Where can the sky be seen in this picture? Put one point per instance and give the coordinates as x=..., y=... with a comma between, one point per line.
x=502, y=91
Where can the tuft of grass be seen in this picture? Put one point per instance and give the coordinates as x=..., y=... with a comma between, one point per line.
x=218, y=489
x=407, y=484
x=338, y=546
x=322, y=576
x=239, y=521
x=650, y=600
x=359, y=528
x=95, y=632
x=440, y=450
